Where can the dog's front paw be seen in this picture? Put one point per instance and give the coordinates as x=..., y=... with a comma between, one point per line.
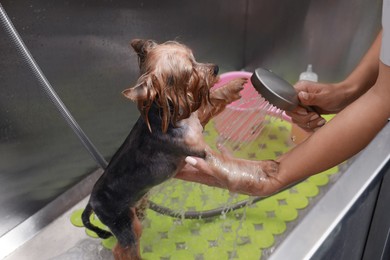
x=230, y=91
x=220, y=98
x=236, y=85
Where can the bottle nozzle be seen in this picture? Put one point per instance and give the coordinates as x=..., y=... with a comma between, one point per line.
x=309, y=74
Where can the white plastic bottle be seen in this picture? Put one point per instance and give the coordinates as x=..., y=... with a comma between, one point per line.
x=309, y=74
x=298, y=134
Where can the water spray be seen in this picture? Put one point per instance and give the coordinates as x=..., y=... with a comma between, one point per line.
x=72, y=123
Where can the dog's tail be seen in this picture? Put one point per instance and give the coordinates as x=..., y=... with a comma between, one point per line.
x=87, y=223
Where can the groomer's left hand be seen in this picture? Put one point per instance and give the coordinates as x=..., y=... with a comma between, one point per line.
x=199, y=164
x=197, y=170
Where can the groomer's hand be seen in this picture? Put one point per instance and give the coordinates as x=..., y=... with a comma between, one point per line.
x=200, y=164
x=326, y=98
x=197, y=170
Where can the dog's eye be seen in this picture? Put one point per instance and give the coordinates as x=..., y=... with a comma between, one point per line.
x=216, y=70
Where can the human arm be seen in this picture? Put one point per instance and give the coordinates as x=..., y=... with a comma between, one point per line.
x=197, y=170
x=331, y=98
x=220, y=169
x=345, y=135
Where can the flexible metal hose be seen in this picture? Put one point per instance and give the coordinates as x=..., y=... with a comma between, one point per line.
x=55, y=99
x=48, y=89
x=202, y=214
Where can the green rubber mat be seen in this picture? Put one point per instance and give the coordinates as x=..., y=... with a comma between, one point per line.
x=248, y=233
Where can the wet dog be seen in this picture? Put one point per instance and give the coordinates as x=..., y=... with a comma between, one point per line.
x=175, y=102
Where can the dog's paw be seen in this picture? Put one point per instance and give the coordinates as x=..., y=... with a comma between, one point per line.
x=230, y=91
x=237, y=83
x=233, y=89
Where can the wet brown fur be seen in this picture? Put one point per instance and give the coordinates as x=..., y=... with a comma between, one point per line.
x=175, y=101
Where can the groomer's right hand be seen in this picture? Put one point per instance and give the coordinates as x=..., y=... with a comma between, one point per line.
x=316, y=95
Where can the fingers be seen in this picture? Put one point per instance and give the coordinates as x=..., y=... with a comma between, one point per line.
x=199, y=164
x=307, y=86
x=307, y=92
x=309, y=121
x=224, y=150
x=197, y=170
x=191, y=161
x=305, y=97
x=308, y=99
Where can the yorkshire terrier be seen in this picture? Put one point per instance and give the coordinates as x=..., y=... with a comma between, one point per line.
x=175, y=100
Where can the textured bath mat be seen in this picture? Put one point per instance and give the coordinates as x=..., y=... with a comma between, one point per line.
x=249, y=233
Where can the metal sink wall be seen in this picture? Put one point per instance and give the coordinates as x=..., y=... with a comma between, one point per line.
x=83, y=48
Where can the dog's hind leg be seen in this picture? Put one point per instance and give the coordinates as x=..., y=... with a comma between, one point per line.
x=127, y=229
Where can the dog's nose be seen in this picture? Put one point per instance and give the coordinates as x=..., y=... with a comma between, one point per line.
x=216, y=70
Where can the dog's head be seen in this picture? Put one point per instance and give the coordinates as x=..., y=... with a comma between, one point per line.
x=172, y=79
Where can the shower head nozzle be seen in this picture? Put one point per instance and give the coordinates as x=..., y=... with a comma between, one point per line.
x=276, y=90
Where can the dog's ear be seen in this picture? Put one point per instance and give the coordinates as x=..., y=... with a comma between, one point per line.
x=137, y=93
x=143, y=94
x=141, y=47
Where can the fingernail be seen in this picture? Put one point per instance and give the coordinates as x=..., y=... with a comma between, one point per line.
x=315, y=116
x=303, y=95
x=302, y=112
x=321, y=122
x=191, y=161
